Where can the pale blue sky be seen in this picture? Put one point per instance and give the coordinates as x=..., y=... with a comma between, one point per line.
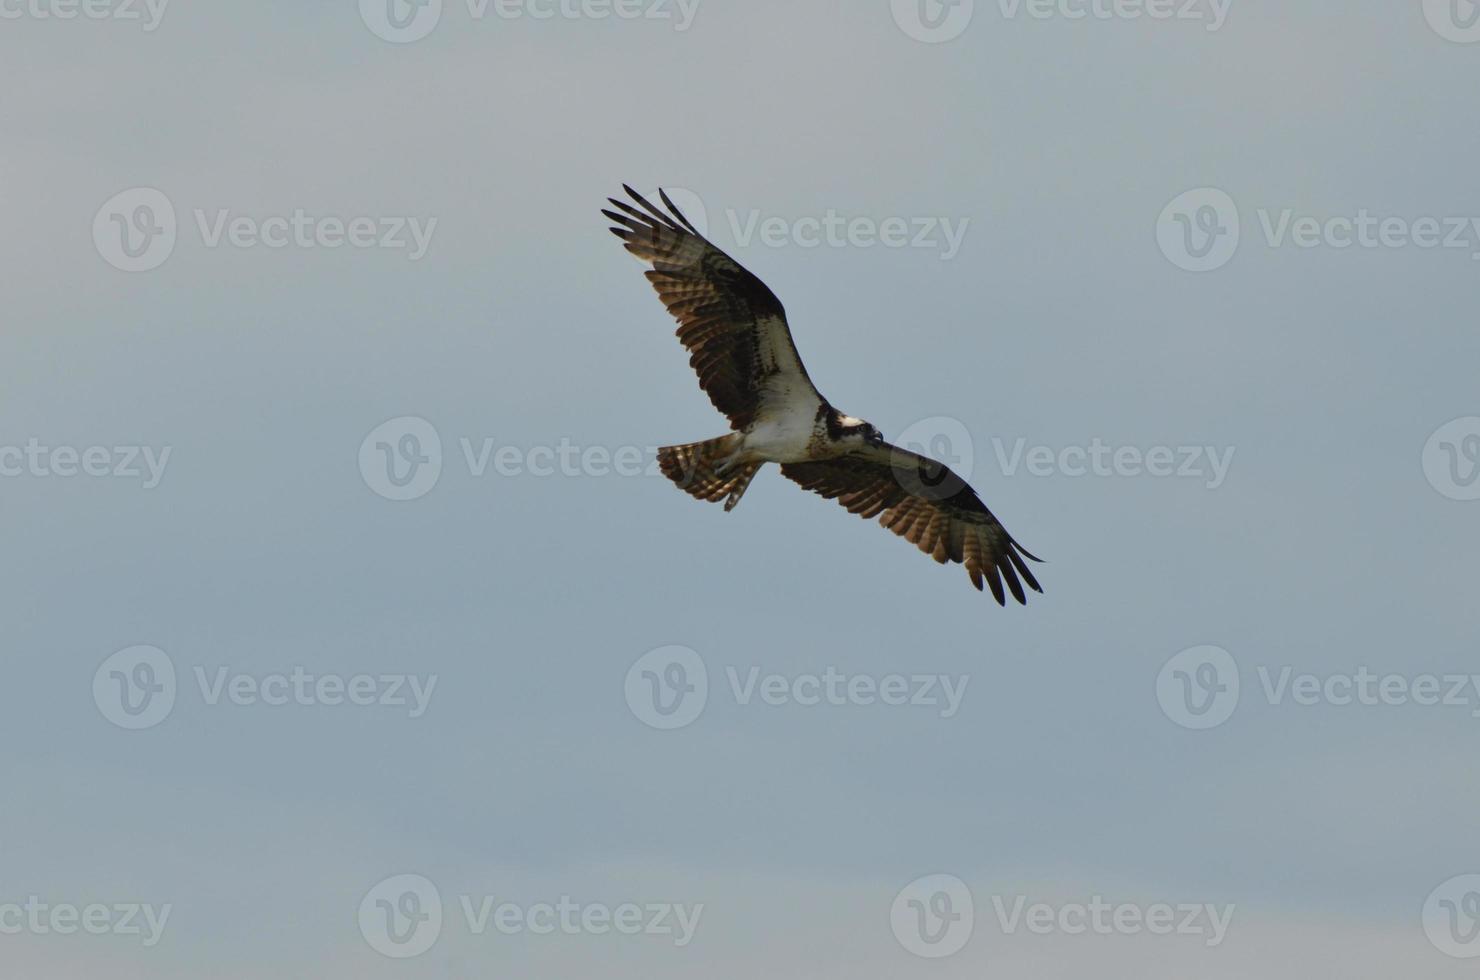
x=1059, y=321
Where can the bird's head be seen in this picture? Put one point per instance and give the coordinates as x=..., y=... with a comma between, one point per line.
x=857, y=429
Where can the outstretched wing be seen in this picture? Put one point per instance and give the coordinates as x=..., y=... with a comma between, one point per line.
x=732, y=325
x=923, y=502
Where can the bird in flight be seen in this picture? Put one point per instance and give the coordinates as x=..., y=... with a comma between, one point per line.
x=736, y=333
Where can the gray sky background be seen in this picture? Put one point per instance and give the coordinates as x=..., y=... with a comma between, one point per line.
x=1059, y=321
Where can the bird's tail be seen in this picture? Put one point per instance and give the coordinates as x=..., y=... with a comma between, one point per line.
x=693, y=468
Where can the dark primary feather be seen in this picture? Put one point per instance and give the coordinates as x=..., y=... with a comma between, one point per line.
x=925, y=503
x=733, y=326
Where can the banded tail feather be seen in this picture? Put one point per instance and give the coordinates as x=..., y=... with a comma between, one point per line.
x=706, y=470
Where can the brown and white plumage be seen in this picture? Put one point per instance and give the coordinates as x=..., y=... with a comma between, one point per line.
x=925, y=503
x=733, y=326
x=740, y=345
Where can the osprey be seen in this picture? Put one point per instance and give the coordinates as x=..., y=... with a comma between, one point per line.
x=739, y=343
